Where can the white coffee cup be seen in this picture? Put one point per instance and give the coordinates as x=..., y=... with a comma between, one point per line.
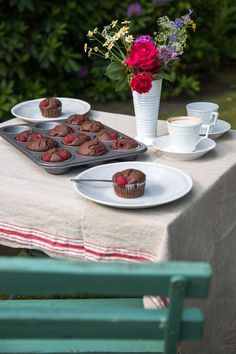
x=184, y=133
x=207, y=111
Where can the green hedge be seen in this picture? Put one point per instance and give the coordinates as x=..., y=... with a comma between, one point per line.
x=41, y=45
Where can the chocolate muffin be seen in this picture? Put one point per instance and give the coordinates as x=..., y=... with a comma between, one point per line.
x=93, y=126
x=75, y=139
x=129, y=183
x=106, y=135
x=77, y=119
x=42, y=144
x=124, y=144
x=60, y=130
x=28, y=135
x=56, y=155
x=50, y=107
x=92, y=148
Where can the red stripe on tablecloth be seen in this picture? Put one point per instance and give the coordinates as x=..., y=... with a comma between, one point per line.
x=59, y=243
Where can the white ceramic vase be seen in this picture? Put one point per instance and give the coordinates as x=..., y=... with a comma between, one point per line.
x=146, y=109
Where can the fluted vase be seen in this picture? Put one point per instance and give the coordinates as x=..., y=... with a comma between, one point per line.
x=146, y=109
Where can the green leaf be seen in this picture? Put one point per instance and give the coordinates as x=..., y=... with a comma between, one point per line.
x=121, y=85
x=164, y=75
x=116, y=71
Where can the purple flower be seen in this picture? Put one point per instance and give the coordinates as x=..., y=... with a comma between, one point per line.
x=143, y=39
x=174, y=37
x=178, y=23
x=82, y=72
x=134, y=9
x=187, y=18
x=167, y=54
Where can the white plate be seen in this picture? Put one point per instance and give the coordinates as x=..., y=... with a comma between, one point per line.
x=164, y=184
x=163, y=145
x=30, y=112
x=220, y=128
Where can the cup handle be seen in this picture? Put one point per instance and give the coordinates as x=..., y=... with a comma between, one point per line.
x=207, y=133
x=214, y=117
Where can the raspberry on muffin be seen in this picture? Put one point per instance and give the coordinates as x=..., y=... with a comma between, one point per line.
x=56, y=155
x=92, y=148
x=124, y=144
x=93, y=126
x=129, y=183
x=77, y=119
x=106, y=135
x=50, y=107
x=75, y=139
x=42, y=144
x=28, y=135
x=60, y=130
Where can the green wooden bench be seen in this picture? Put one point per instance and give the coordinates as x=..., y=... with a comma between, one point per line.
x=98, y=325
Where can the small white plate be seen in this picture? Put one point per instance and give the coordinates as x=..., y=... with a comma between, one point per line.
x=163, y=145
x=220, y=128
x=164, y=184
x=30, y=112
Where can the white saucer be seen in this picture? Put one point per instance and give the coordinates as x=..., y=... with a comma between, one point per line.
x=220, y=128
x=164, y=184
x=163, y=144
x=30, y=112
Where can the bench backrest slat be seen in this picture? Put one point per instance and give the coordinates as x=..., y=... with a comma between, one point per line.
x=99, y=278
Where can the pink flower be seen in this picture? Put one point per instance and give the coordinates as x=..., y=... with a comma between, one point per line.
x=143, y=55
x=141, y=83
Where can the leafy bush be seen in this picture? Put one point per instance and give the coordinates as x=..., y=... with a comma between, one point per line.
x=41, y=45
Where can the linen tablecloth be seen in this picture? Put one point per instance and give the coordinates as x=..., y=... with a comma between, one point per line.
x=41, y=210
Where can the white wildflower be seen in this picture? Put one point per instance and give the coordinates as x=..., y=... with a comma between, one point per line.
x=114, y=23
x=90, y=33
x=129, y=38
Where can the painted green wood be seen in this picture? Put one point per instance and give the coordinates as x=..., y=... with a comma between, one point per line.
x=176, y=297
x=91, y=319
x=98, y=325
x=49, y=276
x=18, y=346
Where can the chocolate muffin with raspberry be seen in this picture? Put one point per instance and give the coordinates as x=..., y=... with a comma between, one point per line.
x=28, y=135
x=56, y=155
x=50, y=107
x=124, y=144
x=60, y=130
x=92, y=148
x=92, y=126
x=129, y=183
x=42, y=144
x=75, y=139
x=77, y=119
x=106, y=135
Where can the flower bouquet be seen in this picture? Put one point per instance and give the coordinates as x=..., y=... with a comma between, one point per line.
x=137, y=62
x=141, y=63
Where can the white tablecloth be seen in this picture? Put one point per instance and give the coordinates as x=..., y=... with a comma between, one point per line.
x=41, y=210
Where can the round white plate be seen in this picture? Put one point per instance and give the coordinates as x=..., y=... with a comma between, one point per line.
x=163, y=145
x=164, y=184
x=30, y=112
x=220, y=128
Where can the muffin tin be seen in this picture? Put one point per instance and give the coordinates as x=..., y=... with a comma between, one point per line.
x=11, y=131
